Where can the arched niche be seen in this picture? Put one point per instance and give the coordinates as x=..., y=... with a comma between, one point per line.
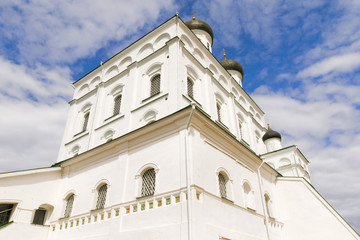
x=112, y=72
x=242, y=100
x=284, y=162
x=187, y=43
x=191, y=72
x=213, y=69
x=124, y=63
x=235, y=92
x=95, y=82
x=252, y=110
x=223, y=81
x=154, y=69
x=146, y=50
x=198, y=55
x=161, y=40
x=84, y=89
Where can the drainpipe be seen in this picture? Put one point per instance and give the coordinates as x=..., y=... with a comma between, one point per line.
x=188, y=190
x=263, y=201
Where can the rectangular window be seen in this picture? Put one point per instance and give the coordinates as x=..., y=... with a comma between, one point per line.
x=117, y=105
x=39, y=216
x=222, y=185
x=86, y=120
x=155, y=85
x=5, y=213
x=190, y=88
x=101, y=197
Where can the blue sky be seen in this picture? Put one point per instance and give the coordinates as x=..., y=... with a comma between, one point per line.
x=301, y=61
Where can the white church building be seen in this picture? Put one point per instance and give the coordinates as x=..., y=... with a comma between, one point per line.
x=162, y=142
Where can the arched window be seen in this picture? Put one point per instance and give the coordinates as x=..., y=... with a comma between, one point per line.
x=117, y=104
x=148, y=182
x=85, y=122
x=69, y=205
x=218, y=111
x=101, y=196
x=249, y=196
x=222, y=185
x=241, y=124
x=39, y=216
x=190, y=88
x=240, y=130
x=155, y=85
x=268, y=205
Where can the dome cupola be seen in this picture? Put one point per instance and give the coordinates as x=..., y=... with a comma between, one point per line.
x=202, y=30
x=272, y=140
x=233, y=67
x=271, y=134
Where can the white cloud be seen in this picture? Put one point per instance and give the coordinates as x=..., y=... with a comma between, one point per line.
x=63, y=31
x=340, y=63
x=41, y=84
x=33, y=108
x=322, y=120
x=30, y=133
x=38, y=40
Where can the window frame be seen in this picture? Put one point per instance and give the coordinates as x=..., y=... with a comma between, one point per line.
x=223, y=180
x=249, y=196
x=155, y=87
x=69, y=204
x=85, y=121
x=117, y=104
x=218, y=111
x=38, y=219
x=101, y=196
x=6, y=215
x=190, y=88
x=148, y=177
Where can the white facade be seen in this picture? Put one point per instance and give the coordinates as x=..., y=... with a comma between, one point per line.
x=162, y=142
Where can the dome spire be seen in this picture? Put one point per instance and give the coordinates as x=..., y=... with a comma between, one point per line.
x=199, y=28
x=230, y=64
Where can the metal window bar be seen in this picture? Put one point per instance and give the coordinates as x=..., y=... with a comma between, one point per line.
x=101, y=197
x=86, y=120
x=148, y=183
x=222, y=185
x=218, y=109
x=117, y=104
x=39, y=216
x=190, y=88
x=155, y=85
x=69, y=205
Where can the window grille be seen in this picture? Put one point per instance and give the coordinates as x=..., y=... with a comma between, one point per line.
x=39, y=216
x=86, y=120
x=101, y=197
x=5, y=213
x=218, y=109
x=190, y=88
x=69, y=205
x=117, y=104
x=155, y=85
x=222, y=185
x=148, y=183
